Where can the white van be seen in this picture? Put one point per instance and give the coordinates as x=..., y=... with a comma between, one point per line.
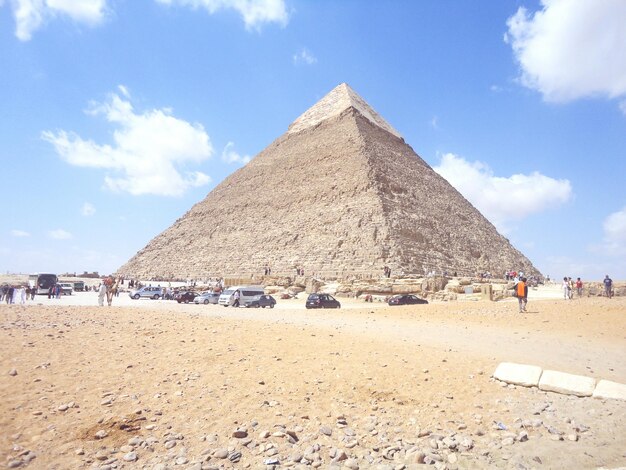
x=246, y=294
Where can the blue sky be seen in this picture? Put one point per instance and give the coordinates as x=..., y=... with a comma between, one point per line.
x=119, y=115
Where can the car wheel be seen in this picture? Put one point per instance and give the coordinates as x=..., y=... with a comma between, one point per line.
x=271, y=305
x=206, y=301
x=155, y=297
x=136, y=296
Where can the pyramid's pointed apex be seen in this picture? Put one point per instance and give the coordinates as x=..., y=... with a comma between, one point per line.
x=334, y=103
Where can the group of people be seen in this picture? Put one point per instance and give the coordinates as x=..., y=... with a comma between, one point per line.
x=16, y=294
x=568, y=288
x=570, y=285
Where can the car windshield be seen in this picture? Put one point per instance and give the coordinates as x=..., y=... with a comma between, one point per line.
x=228, y=291
x=313, y=297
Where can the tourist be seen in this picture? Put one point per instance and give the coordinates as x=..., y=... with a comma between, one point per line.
x=571, y=287
x=235, y=298
x=102, y=290
x=566, y=289
x=9, y=295
x=521, y=291
x=579, y=287
x=608, y=286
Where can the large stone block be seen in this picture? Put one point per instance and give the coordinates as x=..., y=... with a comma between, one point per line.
x=518, y=374
x=567, y=384
x=608, y=389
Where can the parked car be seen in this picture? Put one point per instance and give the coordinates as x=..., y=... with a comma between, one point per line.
x=262, y=301
x=322, y=301
x=186, y=297
x=406, y=299
x=207, y=298
x=148, y=292
x=66, y=288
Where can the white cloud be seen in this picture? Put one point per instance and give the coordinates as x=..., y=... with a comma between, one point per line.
x=88, y=209
x=304, y=57
x=60, y=234
x=434, y=123
x=614, y=241
x=230, y=156
x=20, y=233
x=149, y=151
x=571, y=49
x=31, y=14
x=254, y=12
x=503, y=199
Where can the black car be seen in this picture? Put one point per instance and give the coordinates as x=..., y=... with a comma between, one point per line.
x=406, y=299
x=185, y=297
x=322, y=301
x=262, y=301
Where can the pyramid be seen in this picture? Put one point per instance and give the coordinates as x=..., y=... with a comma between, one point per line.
x=340, y=194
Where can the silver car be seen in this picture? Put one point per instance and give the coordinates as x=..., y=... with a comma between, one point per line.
x=207, y=298
x=147, y=292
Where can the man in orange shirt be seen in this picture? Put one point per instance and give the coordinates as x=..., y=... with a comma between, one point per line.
x=521, y=289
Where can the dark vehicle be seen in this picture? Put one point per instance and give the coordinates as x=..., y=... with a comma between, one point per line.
x=406, y=299
x=207, y=298
x=262, y=301
x=322, y=301
x=79, y=286
x=185, y=297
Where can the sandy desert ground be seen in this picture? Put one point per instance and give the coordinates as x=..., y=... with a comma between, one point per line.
x=155, y=385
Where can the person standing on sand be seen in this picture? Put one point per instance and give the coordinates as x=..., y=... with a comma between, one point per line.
x=236, y=297
x=608, y=286
x=521, y=292
x=566, y=288
x=101, y=293
x=579, y=287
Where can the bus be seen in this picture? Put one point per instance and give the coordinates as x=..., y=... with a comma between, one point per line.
x=43, y=281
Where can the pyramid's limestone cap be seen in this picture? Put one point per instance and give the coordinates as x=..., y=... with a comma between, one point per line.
x=334, y=103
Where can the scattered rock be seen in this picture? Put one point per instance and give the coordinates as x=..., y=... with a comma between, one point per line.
x=220, y=453
x=326, y=430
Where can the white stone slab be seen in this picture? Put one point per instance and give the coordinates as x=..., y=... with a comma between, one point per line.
x=608, y=389
x=518, y=374
x=567, y=384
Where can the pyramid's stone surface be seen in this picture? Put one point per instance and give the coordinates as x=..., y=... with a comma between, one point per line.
x=339, y=194
x=334, y=103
